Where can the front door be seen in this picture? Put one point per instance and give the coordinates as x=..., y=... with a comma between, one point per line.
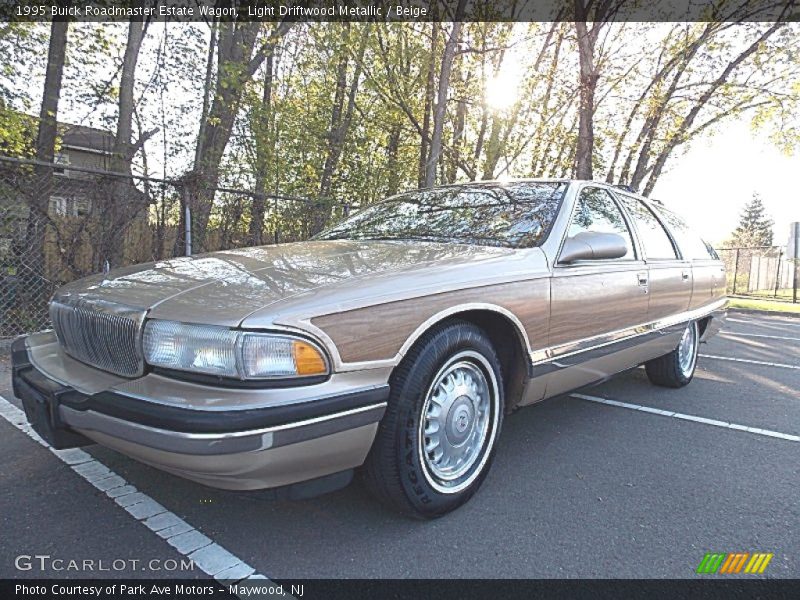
x=594, y=303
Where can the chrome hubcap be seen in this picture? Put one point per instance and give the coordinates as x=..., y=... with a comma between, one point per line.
x=687, y=350
x=458, y=422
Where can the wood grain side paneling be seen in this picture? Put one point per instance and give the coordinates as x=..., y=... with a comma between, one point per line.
x=378, y=332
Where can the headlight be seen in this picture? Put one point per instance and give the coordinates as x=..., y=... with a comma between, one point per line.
x=230, y=353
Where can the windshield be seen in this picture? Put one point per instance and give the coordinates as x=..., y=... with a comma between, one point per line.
x=517, y=215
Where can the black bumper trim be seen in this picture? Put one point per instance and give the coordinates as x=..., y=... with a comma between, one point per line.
x=189, y=420
x=173, y=418
x=40, y=398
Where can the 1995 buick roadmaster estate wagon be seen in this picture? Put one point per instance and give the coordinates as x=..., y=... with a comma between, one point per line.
x=393, y=343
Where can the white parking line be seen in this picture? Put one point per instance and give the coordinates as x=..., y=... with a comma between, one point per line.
x=696, y=419
x=210, y=557
x=782, y=323
x=759, y=335
x=752, y=362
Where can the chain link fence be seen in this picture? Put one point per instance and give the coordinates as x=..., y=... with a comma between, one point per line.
x=59, y=223
x=764, y=272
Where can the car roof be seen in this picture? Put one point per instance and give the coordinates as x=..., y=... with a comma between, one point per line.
x=495, y=182
x=623, y=189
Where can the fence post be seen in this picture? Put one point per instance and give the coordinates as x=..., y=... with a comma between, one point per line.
x=735, y=270
x=778, y=274
x=188, y=219
x=796, y=256
x=758, y=275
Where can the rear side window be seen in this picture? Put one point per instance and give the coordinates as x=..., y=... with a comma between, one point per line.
x=596, y=211
x=655, y=239
x=691, y=244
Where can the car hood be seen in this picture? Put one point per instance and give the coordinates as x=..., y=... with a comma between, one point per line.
x=252, y=286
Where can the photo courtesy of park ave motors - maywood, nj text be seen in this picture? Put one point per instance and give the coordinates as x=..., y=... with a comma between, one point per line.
x=410, y=299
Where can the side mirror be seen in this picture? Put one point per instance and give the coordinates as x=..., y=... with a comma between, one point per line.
x=591, y=245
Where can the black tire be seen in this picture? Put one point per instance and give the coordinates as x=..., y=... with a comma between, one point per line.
x=667, y=370
x=395, y=470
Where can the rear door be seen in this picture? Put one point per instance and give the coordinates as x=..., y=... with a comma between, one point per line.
x=670, y=276
x=708, y=272
x=594, y=303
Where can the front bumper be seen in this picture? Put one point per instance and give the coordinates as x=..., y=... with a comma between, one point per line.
x=230, y=447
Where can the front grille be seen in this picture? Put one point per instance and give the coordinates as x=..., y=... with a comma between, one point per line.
x=101, y=334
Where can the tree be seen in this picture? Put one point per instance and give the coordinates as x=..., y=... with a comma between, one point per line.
x=48, y=114
x=25, y=44
x=124, y=149
x=441, y=97
x=45, y=152
x=238, y=60
x=684, y=129
x=125, y=202
x=755, y=226
x=344, y=102
x=264, y=151
x=589, y=74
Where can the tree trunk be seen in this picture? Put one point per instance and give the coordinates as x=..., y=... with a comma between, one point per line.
x=264, y=150
x=322, y=206
x=537, y=157
x=212, y=42
x=588, y=83
x=123, y=148
x=33, y=272
x=236, y=65
x=179, y=249
x=125, y=201
x=48, y=113
x=441, y=97
x=458, y=135
x=392, y=148
x=425, y=134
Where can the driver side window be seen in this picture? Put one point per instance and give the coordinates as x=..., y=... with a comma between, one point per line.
x=596, y=211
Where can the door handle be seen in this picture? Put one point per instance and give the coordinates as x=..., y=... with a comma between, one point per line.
x=643, y=281
x=685, y=275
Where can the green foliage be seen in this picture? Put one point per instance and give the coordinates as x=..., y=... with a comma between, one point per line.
x=755, y=226
x=512, y=107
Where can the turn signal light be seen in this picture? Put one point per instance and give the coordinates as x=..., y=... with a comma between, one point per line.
x=307, y=359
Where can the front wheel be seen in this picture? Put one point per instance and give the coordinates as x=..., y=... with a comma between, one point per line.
x=436, y=441
x=676, y=369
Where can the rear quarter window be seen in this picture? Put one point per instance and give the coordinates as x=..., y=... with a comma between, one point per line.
x=692, y=246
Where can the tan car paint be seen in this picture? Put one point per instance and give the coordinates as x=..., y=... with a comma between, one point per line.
x=362, y=334
x=366, y=302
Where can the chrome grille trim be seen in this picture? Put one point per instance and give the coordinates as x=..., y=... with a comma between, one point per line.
x=101, y=334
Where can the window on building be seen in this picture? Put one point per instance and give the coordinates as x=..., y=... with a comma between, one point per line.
x=74, y=206
x=60, y=159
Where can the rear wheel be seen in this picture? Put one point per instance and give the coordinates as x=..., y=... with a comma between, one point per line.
x=436, y=441
x=676, y=369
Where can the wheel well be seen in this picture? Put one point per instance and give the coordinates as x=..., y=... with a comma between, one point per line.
x=509, y=345
x=702, y=324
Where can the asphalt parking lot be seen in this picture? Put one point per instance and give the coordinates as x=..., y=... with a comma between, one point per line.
x=580, y=488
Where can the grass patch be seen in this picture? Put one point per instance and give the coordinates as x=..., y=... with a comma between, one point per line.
x=770, y=305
